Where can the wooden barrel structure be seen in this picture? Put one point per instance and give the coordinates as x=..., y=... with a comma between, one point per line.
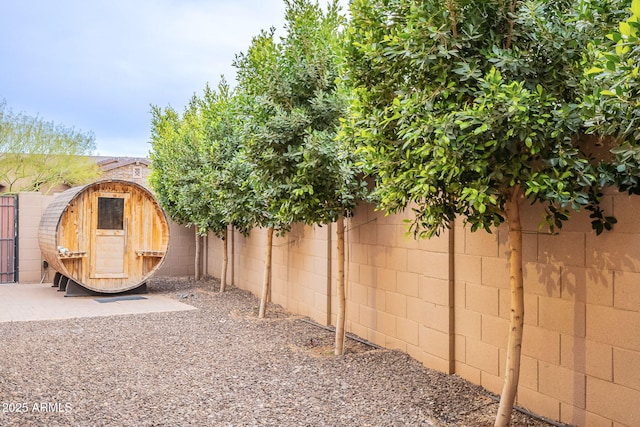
x=108, y=237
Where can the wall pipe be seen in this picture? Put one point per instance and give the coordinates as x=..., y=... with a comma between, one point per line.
x=329, y=276
x=452, y=298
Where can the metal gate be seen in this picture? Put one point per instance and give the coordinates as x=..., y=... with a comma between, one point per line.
x=8, y=239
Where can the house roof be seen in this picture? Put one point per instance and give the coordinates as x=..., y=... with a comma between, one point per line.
x=109, y=163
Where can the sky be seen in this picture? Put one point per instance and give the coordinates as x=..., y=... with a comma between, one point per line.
x=98, y=65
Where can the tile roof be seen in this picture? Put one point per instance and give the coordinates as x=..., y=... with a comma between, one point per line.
x=107, y=163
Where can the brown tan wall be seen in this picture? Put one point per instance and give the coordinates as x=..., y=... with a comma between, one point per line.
x=399, y=288
x=397, y=292
x=582, y=316
x=300, y=267
x=445, y=301
x=30, y=208
x=179, y=260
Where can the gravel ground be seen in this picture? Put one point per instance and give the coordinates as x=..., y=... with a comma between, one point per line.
x=219, y=366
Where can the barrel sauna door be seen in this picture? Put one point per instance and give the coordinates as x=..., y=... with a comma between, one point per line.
x=109, y=235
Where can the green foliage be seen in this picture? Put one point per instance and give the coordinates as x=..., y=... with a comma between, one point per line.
x=461, y=104
x=39, y=155
x=613, y=103
x=198, y=172
x=299, y=168
x=265, y=153
x=226, y=169
x=613, y=106
x=176, y=165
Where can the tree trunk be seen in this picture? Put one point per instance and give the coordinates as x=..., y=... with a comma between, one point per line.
x=196, y=273
x=452, y=17
x=267, y=274
x=342, y=301
x=512, y=10
x=225, y=261
x=514, y=346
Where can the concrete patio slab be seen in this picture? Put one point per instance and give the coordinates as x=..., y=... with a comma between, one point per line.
x=31, y=302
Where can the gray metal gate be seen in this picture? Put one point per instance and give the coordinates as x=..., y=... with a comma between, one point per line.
x=8, y=239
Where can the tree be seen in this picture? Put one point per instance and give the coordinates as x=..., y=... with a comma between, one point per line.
x=301, y=171
x=256, y=67
x=36, y=155
x=199, y=173
x=465, y=108
x=177, y=170
x=227, y=171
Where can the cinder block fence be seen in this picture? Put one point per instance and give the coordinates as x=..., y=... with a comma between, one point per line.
x=445, y=301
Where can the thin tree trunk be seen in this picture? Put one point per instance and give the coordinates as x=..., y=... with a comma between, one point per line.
x=225, y=261
x=342, y=300
x=452, y=17
x=267, y=274
x=197, y=274
x=512, y=10
x=514, y=347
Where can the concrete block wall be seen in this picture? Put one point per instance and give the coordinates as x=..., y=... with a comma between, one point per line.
x=445, y=301
x=179, y=260
x=302, y=256
x=399, y=288
x=582, y=314
x=30, y=208
x=248, y=260
x=300, y=267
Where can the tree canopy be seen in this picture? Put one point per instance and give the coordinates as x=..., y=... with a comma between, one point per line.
x=464, y=108
x=301, y=171
x=177, y=166
x=199, y=171
x=613, y=96
x=227, y=173
x=462, y=103
x=265, y=154
x=36, y=154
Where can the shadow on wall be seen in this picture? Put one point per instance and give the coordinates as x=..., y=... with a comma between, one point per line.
x=576, y=273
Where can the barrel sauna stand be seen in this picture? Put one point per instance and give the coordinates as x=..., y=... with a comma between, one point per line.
x=107, y=237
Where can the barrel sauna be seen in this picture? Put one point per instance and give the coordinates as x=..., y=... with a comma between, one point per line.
x=108, y=237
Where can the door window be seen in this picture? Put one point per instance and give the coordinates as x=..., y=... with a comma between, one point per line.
x=110, y=213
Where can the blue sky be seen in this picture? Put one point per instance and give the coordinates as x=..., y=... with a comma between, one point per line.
x=97, y=65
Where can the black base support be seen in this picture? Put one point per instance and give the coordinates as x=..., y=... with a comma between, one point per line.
x=62, y=284
x=75, y=290
x=56, y=280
